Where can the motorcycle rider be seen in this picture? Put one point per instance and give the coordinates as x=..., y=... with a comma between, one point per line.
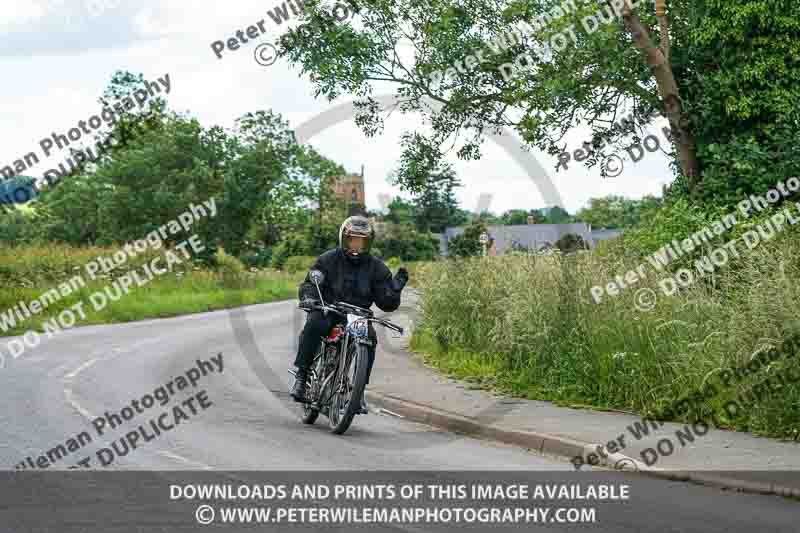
x=352, y=276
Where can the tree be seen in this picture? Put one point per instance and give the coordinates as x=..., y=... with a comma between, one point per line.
x=17, y=226
x=616, y=211
x=433, y=206
x=657, y=58
x=738, y=67
x=69, y=209
x=487, y=217
x=264, y=184
x=400, y=211
x=129, y=122
x=408, y=244
x=570, y=243
x=436, y=206
x=515, y=217
x=468, y=243
x=552, y=215
x=70, y=212
x=631, y=66
x=558, y=215
x=323, y=226
x=154, y=179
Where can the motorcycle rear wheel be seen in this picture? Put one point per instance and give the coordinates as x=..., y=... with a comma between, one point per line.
x=310, y=413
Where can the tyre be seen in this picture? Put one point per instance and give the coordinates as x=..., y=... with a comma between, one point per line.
x=310, y=414
x=347, y=400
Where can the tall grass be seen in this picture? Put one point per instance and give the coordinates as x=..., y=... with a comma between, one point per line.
x=528, y=325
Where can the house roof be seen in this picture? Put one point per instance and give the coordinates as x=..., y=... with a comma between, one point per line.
x=532, y=236
x=603, y=234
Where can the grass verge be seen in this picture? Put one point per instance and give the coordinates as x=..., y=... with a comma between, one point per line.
x=528, y=326
x=184, y=291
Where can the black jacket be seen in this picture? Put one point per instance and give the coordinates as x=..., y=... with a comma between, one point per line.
x=362, y=284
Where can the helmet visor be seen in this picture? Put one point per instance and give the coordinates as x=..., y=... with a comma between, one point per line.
x=356, y=243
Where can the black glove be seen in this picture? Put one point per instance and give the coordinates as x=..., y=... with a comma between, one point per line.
x=307, y=291
x=400, y=279
x=307, y=303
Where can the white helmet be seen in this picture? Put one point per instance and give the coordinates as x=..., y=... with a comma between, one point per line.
x=356, y=226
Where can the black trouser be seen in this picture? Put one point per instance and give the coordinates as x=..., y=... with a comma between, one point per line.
x=318, y=326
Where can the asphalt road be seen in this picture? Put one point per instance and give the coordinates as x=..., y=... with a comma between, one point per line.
x=53, y=393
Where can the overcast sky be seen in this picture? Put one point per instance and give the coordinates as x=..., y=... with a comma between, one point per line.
x=57, y=56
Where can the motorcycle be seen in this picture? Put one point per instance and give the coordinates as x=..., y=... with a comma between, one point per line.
x=338, y=372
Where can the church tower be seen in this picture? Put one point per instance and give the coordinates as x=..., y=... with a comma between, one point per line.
x=350, y=189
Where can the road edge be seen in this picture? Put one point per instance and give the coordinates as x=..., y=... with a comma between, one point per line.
x=563, y=447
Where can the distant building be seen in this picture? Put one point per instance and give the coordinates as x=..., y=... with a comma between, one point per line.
x=531, y=237
x=604, y=234
x=350, y=189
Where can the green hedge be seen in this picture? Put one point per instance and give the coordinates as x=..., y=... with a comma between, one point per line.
x=298, y=263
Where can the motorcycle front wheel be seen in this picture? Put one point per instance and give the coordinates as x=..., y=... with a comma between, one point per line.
x=347, y=399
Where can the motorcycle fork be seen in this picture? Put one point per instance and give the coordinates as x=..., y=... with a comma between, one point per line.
x=331, y=376
x=341, y=365
x=346, y=359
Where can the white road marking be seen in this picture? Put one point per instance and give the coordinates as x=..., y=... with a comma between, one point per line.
x=68, y=391
x=81, y=368
x=75, y=405
x=86, y=414
x=183, y=460
x=72, y=375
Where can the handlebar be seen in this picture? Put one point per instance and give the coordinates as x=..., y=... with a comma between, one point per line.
x=343, y=309
x=387, y=324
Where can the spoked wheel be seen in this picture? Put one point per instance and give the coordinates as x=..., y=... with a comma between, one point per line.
x=310, y=413
x=347, y=399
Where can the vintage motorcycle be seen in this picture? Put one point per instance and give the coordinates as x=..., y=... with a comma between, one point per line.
x=338, y=373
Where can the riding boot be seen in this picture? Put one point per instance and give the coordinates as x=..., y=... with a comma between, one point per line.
x=299, y=388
